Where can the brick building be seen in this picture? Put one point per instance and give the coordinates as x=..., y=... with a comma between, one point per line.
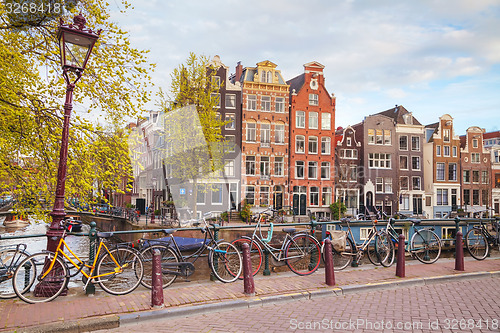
x=312, y=157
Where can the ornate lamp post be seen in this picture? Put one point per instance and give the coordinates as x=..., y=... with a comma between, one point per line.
x=76, y=44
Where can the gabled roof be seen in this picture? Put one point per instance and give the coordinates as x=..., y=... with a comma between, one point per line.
x=397, y=113
x=491, y=135
x=296, y=83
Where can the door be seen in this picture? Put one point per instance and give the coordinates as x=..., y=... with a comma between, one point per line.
x=233, y=190
x=303, y=204
x=299, y=203
x=454, y=206
x=140, y=205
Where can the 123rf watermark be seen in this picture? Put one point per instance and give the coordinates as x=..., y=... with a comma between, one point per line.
x=380, y=325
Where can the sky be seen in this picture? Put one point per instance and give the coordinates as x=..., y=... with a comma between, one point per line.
x=433, y=57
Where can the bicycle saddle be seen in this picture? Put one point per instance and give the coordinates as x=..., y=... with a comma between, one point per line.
x=104, y=234
x=168, y=231
x=289, y=230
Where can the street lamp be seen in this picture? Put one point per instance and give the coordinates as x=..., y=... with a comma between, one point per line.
x=75, y=44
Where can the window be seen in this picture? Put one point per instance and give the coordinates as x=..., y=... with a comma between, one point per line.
x=230, y=101
x=300, y=119
x=314, y=196
x=416, y=183
x=326, y=121
x=200, y=194
x=466, y=176
x=313, y=145
x=475, y=176
x=387, y=137
x=403, y=142
x=343, y=172
x=484, y=177
x=452, y=171
x=264, y=166
x=265, y=134
x=230, y=144
x=231, y=124
x=446, y=135
x=264, y=195
x=475, y=158
x=379, y=139
x=252, y=102
x=484, y=197
x=388, y=185
x=415, y=162
x=403, y=183
x=403, y=162
x=371, y=136
x=265, y=103
x=216, y=98
x=300, y=144
x=325, y=170
x=466, y=197
x=251, y=131
x=442, y=197
x=474, y=143
x=446, y=151
x=439, y=171
x=217, y=194
x=475, y=197
x=313, y=99
x=312, y=170
x=348, y=141
x=349, y=153
x=326, y=196
x=496, y=156
x=454, y=150
x=279, y=133
x=313, y=120
x=299, y=169
x=415, y=143
x=280, y=104
x=325, y=145
x=438, y=150
x=382, y=161
x=379, y=184
x=278, y=166
x=250, y=165
x=497, y=180
x=216, y=81
x=354, y=173
x=229, y=168
x=404, y=202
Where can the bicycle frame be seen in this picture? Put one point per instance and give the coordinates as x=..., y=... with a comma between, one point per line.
x=395, y=236
x=366, y=242
x=490, y=238
x=81, y=264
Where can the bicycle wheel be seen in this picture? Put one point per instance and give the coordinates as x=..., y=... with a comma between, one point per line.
x=372, y=252
x=425, y=246
x=122, y=279
x=169, y=272
x=9, y=260
x=385, y=249
x=341, y=257
x=255, y=253
x=303, y=254
x=476, y=244
x=28, y=283
x=225, y=262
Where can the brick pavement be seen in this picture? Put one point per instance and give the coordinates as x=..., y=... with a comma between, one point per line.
x=16, y=313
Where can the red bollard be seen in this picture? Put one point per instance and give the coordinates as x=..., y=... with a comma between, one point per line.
x=329, y=272
x=400, y=264
x=248, y=284
x=459, y=253
x=157, y=281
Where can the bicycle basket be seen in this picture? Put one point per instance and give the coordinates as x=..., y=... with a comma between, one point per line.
x=339, y=239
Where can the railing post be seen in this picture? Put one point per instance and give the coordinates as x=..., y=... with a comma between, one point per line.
x=216, y=238
x=267, y=271
x=90, y=290
x=400, y=264
x=248, y=283
x=156, y=283
x=457, y=224
x=329, y=272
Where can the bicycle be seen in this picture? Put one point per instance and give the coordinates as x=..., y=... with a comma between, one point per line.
x=345, y=249
x=224, y=259
x=299, y=250
x=43, y=276
x=478, y=240
x=10, y=258
x=424, y=245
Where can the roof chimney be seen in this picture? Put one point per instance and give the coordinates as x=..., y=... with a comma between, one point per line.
x=239, y=71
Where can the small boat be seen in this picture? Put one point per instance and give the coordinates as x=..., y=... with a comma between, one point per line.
x=13, y=221
x=76, y=225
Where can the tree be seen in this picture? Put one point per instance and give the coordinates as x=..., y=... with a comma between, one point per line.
x=338, y=209
x=195, y=145
x=32, y=94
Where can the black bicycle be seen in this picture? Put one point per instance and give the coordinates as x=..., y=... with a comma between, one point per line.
x=10, y=258
x=224, y=259
x=479, y=239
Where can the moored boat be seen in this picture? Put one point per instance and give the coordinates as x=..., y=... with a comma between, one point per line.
x=14, y=221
